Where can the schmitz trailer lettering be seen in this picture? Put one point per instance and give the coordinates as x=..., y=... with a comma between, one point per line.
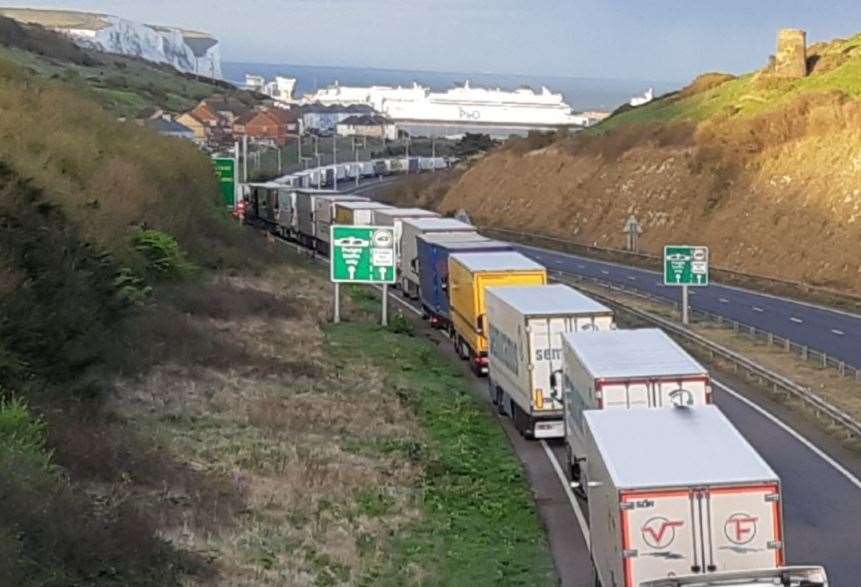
x=526, y=324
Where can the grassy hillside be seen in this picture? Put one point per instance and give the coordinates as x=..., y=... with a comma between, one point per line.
x=766, y=171
x=124, y=85
x=96, y=216
x=835, y=67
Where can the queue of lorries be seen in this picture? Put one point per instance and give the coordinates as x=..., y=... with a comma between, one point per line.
x=676, y=496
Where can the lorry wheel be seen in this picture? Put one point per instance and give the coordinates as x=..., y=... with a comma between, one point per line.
x=455, y=341
x=500, y=401
x=491, y=391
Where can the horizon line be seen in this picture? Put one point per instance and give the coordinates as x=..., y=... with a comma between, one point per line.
x=452, y=72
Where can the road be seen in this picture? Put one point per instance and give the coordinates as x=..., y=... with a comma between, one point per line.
x=822, y=494
x=833, y=331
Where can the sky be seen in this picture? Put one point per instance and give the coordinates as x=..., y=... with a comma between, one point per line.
x=668, y=40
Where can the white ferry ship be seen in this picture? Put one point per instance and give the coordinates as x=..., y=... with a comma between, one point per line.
x=418, y=104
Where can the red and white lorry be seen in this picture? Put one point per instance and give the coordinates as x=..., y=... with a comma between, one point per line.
x=679, y=498
x=620, y=370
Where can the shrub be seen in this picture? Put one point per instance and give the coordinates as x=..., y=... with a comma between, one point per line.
x=21, y=434
x=163, y=255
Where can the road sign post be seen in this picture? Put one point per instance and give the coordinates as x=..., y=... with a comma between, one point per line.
x=362, y=254
x=686, y=266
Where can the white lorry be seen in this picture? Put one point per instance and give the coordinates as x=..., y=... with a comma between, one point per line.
x=526, y=324
x=408, y=261
x=324, y=217
x=624, y=369
x=395, y=217
x=678, y=497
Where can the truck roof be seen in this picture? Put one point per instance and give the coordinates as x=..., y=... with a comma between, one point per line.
x=447, y=238
x=647, y=448
x=497, y=261
x=548, y=300
x=620, y=354
x=438, y=224
x=409, y=213
x=363, y=205
x=472, y=245
x=343, y=198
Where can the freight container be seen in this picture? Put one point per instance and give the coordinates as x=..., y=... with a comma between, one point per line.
x=357, y=213
x=324, y=215
x=341, y=170
x=352, y=170
x=286, y=216
x=679, y=497
x=408, y=262
x=439, y=163
x=381, y=167
x=623, y=369
x=395, y=217
x=525, y=328
x=263, y=198
x=433, y=252
x=469, y=277
x=426, y=164
x=366, y=168
x=304, y=202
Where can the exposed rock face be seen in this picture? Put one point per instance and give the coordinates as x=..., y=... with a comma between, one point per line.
x=188, y=51
x=791, y=58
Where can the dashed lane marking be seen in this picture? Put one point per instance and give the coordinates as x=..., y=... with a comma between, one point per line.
x=605, y=272
x=632, y=278
x=756, y=309
x=575, y=505
x=791, y=431
x=796, y=320
x=723, y=300
x=838, y=332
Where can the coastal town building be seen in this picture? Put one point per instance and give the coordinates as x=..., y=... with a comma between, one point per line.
x=367, y=125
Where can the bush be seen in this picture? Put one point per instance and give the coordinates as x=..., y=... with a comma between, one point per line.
x=162, y=253
x=21, y=434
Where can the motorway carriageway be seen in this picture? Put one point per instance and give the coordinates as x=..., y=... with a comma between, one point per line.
x=833, y=331
x=822, y=497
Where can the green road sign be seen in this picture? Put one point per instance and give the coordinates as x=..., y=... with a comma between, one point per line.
x=362, y=254
x=225, y=169
x=686, y=265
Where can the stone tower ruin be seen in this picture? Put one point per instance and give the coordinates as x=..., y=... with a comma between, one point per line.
x=791, y=58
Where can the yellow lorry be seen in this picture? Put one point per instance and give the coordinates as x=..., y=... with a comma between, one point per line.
x=469, y=274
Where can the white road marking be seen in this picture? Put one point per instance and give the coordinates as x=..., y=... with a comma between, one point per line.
x=581, y=267
x=756, y=309
x=796, y=320
x=786, y=428
x=838, y=332
x=632, y=278
x=723, y=300
x=605, y=272
x=575, y=505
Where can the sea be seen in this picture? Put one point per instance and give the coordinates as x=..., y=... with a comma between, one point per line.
x=582, y=94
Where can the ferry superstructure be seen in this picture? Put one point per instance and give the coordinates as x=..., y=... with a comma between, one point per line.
x=522, y=107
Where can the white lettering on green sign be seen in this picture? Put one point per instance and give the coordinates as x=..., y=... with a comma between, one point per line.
x=362, y=254
x=686, y=265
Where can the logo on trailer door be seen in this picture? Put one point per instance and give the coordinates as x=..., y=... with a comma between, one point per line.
x=659, y=532
x=740, y=528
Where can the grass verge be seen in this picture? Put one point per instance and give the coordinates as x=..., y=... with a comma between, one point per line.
x=478, y=523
